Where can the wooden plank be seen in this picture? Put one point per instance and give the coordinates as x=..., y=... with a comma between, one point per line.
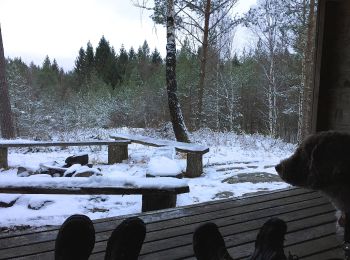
x=175, y=237
x=154, y=226
x=4, y=144
x=179, y=146
x=327, y=254
x=246, y=239
x=3, y=157
x=232, y=229
x=166, y=217
x=93, y=191
x=318, y=64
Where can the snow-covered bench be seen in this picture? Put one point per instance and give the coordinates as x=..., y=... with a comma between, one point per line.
x=194, y=151
x=117, y=149
x=162, y=190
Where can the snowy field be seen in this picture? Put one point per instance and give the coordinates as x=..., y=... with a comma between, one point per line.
x=236, y=165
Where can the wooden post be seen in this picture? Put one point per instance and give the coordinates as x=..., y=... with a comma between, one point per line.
x=161, y=200
x=157, y=201
x=194, y=165
x=117, y=153
x=3, y=157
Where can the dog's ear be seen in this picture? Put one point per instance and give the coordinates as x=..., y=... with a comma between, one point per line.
x=315, y=179
x=327, y=164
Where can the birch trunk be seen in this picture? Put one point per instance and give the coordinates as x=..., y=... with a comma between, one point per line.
x=177, y=120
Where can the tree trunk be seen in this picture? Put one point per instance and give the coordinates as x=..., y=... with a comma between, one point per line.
x=6, y=122
x=177, y=120
x=203, y=64
x=308, y=68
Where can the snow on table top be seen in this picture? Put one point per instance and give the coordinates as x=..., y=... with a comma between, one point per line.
x=163, y=166
x=186, y=147
x=46, y=181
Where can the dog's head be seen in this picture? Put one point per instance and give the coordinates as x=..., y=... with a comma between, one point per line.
x=320, y=161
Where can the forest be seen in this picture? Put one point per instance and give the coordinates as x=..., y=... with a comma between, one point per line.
x=265, y=88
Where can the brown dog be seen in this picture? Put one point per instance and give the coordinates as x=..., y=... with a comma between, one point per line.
x=322, y=162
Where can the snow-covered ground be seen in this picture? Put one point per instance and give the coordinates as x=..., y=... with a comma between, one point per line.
x=236, y=165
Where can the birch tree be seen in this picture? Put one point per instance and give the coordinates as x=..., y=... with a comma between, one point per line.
x=267, y=22
x=199, y=21
x=6, y=121
x=177, y=120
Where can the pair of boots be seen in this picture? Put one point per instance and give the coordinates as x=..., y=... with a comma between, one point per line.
x=208, y=244
x=76, y=240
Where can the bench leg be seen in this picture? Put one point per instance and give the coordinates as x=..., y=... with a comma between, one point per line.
x=3, y=158
x=194, y=165
x=157, y=201
x=117, y=153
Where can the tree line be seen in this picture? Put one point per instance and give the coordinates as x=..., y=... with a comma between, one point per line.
x=263, y=89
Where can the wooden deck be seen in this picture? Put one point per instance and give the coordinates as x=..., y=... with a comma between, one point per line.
x=310, y=218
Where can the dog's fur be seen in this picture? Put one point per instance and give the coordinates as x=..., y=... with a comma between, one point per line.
x=322, y=162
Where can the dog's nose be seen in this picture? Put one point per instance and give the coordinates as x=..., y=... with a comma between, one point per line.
x=278, y=168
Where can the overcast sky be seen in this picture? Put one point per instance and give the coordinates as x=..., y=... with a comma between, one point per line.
x=32, y=29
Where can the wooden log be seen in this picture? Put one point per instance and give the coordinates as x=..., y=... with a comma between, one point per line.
x=117, y=153
x=93, y=190
x=3, y=158
x=194, y=165
x=157, y=201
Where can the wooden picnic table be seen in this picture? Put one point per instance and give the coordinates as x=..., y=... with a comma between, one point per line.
x=309, y=216
x=194, y=152
x=117, y=149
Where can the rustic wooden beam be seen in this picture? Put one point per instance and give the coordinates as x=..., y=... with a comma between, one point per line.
x=117, y=149
x=152, y=198
x=8, y=144
x=157, y=201
x=3, y=158
x=117, y=153
x=194, y=165
x=331, y=109
x=93, y=191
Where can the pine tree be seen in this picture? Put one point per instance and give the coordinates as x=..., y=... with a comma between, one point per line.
x=132, y=54
x=89, y=60
x=106, y=63
x=80, y=66
x=103, y=53
x=123, y=61
x=156, y=59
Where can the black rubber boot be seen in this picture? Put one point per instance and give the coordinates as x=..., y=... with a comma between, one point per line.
x=126, y=240
x=208, y=244
x=269, y=241
x=75, y=239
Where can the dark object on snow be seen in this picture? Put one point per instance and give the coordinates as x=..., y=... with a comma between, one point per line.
x=37, y=206
x=77, y=159
x=269, y=241
x=208, y=243
x=322, y=162
x=126, y=240
x=4, y=204
x=23, y=172
x=75, y=239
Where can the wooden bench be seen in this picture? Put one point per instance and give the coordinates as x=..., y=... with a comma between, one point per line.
x=117, y=149
x=153, y=198
x=194, y=152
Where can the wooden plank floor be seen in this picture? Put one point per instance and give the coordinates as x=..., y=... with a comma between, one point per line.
x=309, y=216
